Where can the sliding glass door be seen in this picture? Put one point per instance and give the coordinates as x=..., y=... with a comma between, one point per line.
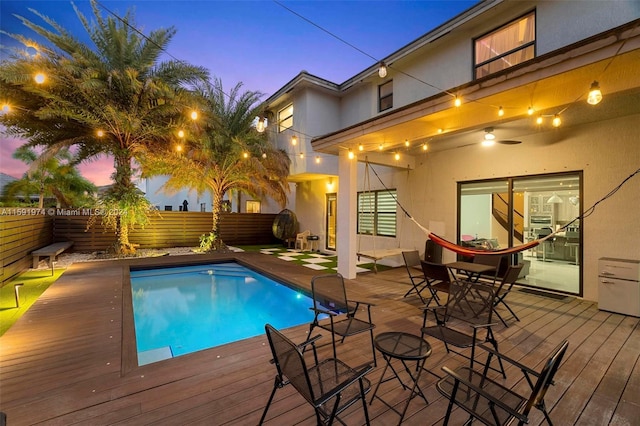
x=508, y=212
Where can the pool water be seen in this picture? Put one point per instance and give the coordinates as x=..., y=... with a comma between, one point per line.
x=185, y=309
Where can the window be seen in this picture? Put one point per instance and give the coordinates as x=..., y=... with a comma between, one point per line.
x=385, y=96
x=505, y=47
x=377, y=213
x=285, y=118
x=253, y=206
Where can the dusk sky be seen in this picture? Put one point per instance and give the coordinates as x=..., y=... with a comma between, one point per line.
x=259, y=43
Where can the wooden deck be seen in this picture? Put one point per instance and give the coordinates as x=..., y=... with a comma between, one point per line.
x=64, y=362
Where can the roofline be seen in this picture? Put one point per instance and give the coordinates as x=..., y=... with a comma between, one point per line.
x=302, y=77
x=429, y=37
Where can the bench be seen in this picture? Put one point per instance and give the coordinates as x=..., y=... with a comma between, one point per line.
x=52, y=250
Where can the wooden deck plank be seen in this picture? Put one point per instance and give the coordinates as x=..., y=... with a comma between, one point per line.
x=61, y=363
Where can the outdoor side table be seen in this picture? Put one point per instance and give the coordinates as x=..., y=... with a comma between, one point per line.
x=313, y=241
x=406, y=348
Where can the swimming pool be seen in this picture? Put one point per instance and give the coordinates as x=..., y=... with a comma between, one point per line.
x=179, y=310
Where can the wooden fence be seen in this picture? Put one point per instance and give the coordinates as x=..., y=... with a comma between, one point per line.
x=21, y=234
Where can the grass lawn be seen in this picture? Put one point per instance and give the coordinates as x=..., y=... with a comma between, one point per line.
x=34, y=283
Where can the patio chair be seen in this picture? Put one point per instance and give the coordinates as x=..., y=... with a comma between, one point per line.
x=509, y=279
x=330, y=299
x=491, y=260
x=412, y=263
x=301, y=240
x=330, y=386
x=460, y=322
x=491, y=402
x=437, y=279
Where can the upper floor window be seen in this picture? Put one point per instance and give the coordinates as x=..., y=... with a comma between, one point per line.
x=377, y=213
x=285, y=118
x=385, y=96
x=505, y=47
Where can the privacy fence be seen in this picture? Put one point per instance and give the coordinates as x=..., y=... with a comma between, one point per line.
x=25, y=230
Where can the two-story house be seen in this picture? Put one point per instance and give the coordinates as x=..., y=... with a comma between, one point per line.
x=488, y=130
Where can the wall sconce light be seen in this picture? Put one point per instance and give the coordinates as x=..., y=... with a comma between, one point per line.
x=595, y=95
x=382, y=70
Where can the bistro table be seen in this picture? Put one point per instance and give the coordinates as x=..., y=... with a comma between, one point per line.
x=472, y=271
x=406, y=348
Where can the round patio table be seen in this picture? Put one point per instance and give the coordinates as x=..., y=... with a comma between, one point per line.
x=406, y=348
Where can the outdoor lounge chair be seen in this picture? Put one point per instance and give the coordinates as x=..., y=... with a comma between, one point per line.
x=330, y=299
x=412, y=263
x=460, y=322
x=330, y=386
x=491, y=402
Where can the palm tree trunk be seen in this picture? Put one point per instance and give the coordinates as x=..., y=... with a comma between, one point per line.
x=216, y=210
x=122, y=185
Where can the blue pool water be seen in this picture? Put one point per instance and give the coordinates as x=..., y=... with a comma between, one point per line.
x=180, y=310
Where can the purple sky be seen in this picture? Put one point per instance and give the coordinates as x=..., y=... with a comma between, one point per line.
x=258, y=43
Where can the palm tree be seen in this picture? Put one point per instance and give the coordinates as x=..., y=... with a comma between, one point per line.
x=225, y=154
x=116, y=98
x=51, y=177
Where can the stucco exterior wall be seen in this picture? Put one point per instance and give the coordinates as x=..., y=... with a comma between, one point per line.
x=607, y=152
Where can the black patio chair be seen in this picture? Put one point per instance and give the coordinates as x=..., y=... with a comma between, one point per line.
x=491, y=402
x=437, y=279
x=412, y=263
x=461, y=321
x=330, y=299
x=509, y=279
x=491, y=260
x=330, y=386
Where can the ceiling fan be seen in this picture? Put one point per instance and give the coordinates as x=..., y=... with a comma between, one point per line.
x=490, y=139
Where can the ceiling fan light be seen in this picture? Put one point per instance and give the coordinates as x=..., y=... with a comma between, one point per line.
x=595, y=95
x=488, y=134
x=488, y=142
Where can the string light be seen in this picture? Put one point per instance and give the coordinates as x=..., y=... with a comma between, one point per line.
x=350, y=155
x=556, y=121
x=424, y=147
x=539, y=120
x=39, y=78
x=530, y=110
x=294, y=140
x=406, y=143
x=179, y=148
x=317, y=159
x=302, y=155
x=100, y=133
x=181, y=133
x=397, y=156
x=457, y=102
x=382, y=70
x=6, y=108
x=500, y=112
x=264, y=155
x=245, y=154
x=194, y=115
x=380, y=147
x=595, y=95
x=360, y=147
x=260, y=125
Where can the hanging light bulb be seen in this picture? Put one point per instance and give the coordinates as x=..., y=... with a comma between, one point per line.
x=100, y=133
x=194, y=115
x=530, y=110
x=181, y=133
x=380, y=147
x=556, y=121
x=260, y=125
x=264, y=155
x=440, y=130
x=5, y=108
x=424, y=147
x=539, y=120
x=382, y=70
x=245, y=154
x=39, y=78
x=317, y=159
x=595, y=95
x=488, y=134
x=500, y=112
x=406, y=143
x=350, y=155
x=294, y=140
x=397, y=156
x=360, y=147
x=457, y=102
x=302, y=155
x=179, y=148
